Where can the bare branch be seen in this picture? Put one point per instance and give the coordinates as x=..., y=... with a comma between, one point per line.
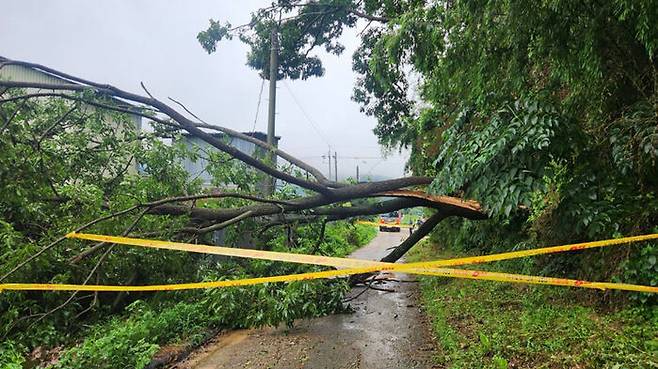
x=184, y=123
x=216, y=195
x=145, y=89
x=90, y=251
x=280, y=153
x=216, y=227
x=416, y=236
x=339, y=194
x=406, y=245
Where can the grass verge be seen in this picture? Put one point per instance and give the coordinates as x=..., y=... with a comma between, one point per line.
x=482, y=324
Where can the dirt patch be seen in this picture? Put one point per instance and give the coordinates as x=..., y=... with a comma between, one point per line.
x=43, y=357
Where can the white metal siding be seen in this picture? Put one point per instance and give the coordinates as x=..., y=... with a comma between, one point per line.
x=23, y=74
x=196, y=169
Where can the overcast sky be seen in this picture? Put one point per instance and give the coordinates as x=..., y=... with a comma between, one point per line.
x=125, y=42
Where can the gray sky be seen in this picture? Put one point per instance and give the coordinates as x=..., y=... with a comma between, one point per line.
x=125, y=42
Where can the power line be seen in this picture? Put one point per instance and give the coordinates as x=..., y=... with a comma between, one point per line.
x=374, y=166
x=356, y=158
x=308, y=118
x=364, y=157
x=260, y=95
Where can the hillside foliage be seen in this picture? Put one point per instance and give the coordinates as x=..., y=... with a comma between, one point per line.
x=544, y=111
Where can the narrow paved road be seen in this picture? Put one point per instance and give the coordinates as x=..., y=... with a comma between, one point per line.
x=387, y=330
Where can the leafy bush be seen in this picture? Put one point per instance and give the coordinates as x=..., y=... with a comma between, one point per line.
x=131, y=340
x=11, y=355
x=498, y=164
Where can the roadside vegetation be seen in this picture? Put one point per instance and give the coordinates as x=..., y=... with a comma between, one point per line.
x=482, y=324
x=65, y=164
x=132, y=338
x=546, y=113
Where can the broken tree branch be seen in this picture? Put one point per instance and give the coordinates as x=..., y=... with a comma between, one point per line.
x=216, y=227
x=306, y=208
x=339, y=194
x=416, y=236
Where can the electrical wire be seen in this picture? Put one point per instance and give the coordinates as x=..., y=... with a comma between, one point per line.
x=260, y=96
x=308, y=118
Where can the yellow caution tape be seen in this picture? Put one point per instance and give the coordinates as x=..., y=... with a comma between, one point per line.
x=351, y=263
x=228, y=251
x=442, y=272
x=366, y=266
x=173, y=287
x=530, y=279
x=542, y=251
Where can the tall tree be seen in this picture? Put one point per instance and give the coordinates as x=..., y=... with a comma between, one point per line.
x=545, y=112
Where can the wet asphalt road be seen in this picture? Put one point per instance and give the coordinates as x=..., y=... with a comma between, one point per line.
x=386, y=331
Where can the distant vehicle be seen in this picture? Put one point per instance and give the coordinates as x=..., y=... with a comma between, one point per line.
x=390, y=222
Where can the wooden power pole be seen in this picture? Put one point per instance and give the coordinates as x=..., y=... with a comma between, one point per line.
x=271, y=111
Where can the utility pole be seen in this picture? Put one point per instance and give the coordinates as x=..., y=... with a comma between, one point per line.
x=271, y=111
x=357, y=173
x=336, y=165
x=329, y=158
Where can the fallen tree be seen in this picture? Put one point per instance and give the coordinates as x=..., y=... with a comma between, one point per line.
x=267, y=211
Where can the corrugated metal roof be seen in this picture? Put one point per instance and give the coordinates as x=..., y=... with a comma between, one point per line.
x=23, y=74
x=12, y=72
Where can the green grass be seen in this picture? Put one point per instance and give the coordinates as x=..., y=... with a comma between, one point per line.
x=481, y=324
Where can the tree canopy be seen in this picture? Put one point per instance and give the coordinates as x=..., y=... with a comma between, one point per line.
x=544, y=111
